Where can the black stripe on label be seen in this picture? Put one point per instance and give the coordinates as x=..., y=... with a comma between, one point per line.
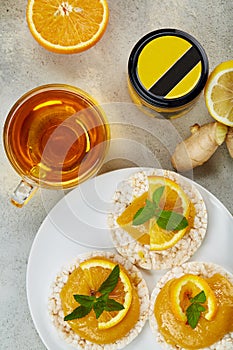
x=176, y=73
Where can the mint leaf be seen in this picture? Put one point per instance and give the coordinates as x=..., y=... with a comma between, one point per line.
x=200, y=307
x=103, y=297
x=158, y=194
x=193, y=315
x=110, y=283
x=79, y=312
x=109, y=305
x=113, y=305
x=103, y=302
x=144, y=214
x=171, y=221
x=85, y=300
x=99, y=307
x=138, y=213
x=194, y=310
x=166, y=219
x=199, y=298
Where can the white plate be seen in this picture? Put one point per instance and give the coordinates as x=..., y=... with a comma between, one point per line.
x=81, y=215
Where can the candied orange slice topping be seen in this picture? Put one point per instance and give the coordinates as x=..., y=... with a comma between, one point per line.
x=187, y=287
x=95, y=272
x=173, y=199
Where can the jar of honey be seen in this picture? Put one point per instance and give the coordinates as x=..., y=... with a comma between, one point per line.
x=167, y=70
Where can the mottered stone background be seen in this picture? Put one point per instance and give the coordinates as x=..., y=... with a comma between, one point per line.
x=137, y=139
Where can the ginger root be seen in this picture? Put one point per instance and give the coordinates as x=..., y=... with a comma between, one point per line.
x=199, y=147
x=229, y=141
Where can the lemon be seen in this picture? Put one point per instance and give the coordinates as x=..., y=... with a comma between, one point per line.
x=219, y=93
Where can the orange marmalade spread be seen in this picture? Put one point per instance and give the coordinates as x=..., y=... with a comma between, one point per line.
x=87, y=327
x=206, y=332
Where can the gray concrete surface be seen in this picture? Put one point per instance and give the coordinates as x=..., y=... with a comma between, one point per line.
x=137, y=139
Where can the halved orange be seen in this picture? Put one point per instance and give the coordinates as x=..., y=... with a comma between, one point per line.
x=95, y=271
x=173, y=199
x=67, y=26
x=219, y=93
x=187, y=287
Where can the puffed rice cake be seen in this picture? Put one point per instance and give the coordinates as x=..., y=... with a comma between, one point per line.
x=57, y=315
x=204, y=269
x=141, y=255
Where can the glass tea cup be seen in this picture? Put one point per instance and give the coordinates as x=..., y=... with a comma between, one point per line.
x=55, y=136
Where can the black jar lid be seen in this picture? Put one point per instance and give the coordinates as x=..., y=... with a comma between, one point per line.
x=168, y=68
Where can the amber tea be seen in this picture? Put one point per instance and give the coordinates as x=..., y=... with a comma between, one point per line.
x=56, y=136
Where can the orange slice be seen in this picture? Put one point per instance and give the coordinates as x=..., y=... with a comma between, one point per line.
x=126, y=218
x=219, y=93
x=187, y=287
x=173, y=199
x=96, y=270
x=67, y=26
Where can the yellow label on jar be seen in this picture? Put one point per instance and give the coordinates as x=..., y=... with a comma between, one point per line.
x=169, y=66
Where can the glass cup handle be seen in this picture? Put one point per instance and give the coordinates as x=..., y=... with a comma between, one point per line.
x=23, y=192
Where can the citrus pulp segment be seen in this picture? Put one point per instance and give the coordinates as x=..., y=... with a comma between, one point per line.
x=161, y=239
x=125, y=220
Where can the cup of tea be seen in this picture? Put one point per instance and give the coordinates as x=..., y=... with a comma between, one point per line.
x=55, y=136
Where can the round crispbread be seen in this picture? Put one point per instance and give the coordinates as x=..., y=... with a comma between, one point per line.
x=141, y=255
x=203, y=269
x=57, y=315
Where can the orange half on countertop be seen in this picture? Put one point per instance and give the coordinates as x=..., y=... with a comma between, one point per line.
x=67, y=26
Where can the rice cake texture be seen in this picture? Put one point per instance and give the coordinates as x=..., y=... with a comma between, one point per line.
x=204, y=269
x=141, y=255
x=57, y=315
